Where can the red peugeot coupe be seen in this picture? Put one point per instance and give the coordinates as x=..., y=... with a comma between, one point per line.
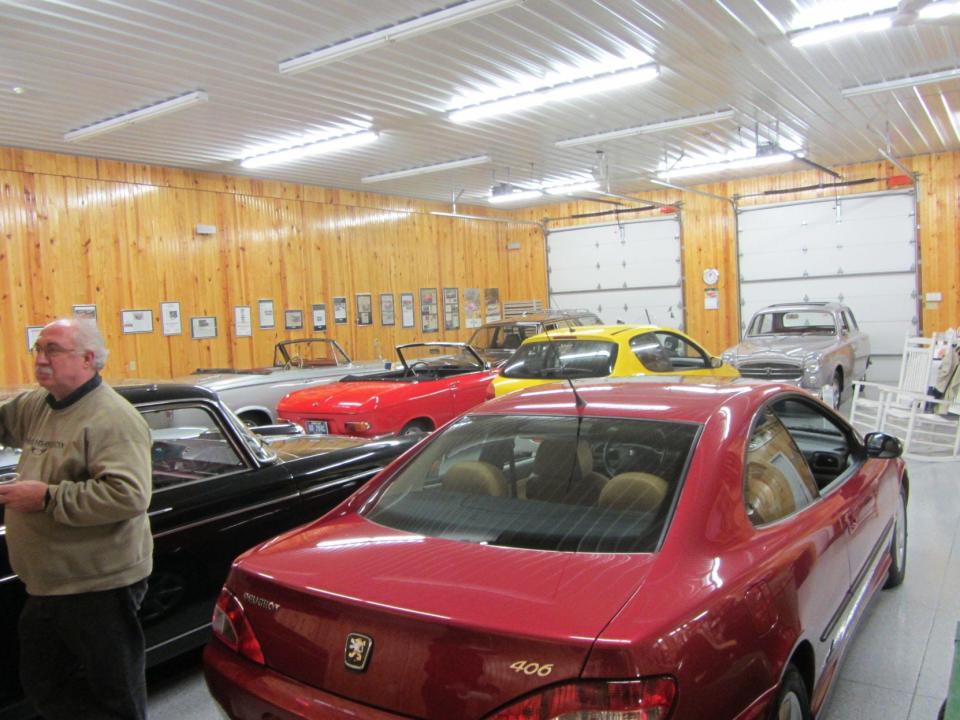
x=627, y=550
x=433, y=383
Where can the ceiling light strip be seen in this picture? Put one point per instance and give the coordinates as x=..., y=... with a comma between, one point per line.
x=424, y=169
x=741, y=164
x=567, y=91
x=402, y=31
x=146, y=113
x=900, y=83
x=302, y=152
x=836, y=31
x=515, y=196
x=643, y=129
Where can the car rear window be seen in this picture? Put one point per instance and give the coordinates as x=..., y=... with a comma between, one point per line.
x=542, y=482
x=562, y=359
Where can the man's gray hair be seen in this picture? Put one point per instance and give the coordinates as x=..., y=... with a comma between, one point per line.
x=89, y=339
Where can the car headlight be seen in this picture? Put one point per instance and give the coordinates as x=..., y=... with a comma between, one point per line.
x=728, y=356
x=811, y=363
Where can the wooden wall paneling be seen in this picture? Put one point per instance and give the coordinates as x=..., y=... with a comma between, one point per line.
x=17, y=232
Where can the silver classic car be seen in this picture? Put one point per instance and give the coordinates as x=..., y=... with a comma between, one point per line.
x=253, y=394
x=816, y=345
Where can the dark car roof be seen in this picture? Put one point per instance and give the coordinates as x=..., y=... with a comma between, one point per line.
x=690, y=399
x=157, y=392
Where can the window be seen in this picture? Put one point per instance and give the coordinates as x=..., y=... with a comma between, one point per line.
x=542, y=482
x=562, y=358
x=188, y=445
x=803, y=322
x=667, y=352
x=795, y=453
x=851, y=321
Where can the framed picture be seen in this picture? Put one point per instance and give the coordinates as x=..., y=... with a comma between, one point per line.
x=242, y=321
x=136, y=321
x=472, y=313
x=170, y=321
x=491, y=299
x=340, y=310
x=320, y=317
x=33, y=332
x=406, y=310
x=86, y=312
x=203, y=328
x=451, y=309
x=429, y=311
x=293, y=319
x=388, y=312
x=364, y=309
x=265, y=311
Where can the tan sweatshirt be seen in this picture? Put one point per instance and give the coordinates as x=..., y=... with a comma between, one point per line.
x=95, y=455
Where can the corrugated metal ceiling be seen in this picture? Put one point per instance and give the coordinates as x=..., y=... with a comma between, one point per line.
x=81, y=62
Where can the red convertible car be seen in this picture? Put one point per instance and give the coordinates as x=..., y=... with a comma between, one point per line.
x=636, y=550
x=435, y=382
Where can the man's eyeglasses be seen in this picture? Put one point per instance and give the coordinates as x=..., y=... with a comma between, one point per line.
x=51, y=351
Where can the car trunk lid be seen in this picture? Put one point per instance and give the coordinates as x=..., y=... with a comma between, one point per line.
x=453, y=629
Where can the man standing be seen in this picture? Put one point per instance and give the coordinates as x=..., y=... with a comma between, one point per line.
x=77, y=531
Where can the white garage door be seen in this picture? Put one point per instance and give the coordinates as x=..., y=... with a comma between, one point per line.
x=629, y=271
x=858, y=250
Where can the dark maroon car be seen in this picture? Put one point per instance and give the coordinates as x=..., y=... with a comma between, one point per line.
x=636, y=551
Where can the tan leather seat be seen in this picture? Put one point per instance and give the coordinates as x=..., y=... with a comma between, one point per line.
x=475, y=478
x=635, y=491
x=563, y=473
x=656, y=360
x=767, y=493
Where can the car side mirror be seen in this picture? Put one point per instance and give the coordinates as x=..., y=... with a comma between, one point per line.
x=716, y=362
x=883, y=446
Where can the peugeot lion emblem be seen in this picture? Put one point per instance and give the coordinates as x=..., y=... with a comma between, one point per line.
x=357, y=651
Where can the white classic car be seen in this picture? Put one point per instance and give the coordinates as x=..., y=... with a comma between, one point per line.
x=253, y=394
x=815, y=345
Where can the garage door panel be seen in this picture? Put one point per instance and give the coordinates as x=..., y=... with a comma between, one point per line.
x=629, y=260
x=893, y=206
x=629, y=306
x=788, y=216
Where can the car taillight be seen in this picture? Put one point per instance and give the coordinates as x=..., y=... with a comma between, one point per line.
x=359, y=426
x=646, y=699
x=230, y=626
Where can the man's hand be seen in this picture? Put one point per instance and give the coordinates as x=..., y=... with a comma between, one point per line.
x=23, y=495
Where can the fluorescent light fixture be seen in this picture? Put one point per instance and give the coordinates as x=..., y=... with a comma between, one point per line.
x=146, y=113
x=568, y=91
x=737, y=164
x=830, y=11
x=424, y=169
x=826, y=33
x=301, y=152
x=644, y=129
x=401, y=31
x=514, y=196
x=939, y=10
x=571, y=188
x=900, y=83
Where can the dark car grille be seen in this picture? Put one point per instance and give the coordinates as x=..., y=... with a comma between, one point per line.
x=771, y=371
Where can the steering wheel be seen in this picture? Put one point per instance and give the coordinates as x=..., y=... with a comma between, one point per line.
x=671, y=344
x=614, y=457
x=412, y=367
x=295, y=361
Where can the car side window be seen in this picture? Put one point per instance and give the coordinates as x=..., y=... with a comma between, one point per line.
x=851, y=320
x=777, y=480
x=684, y=355
x=825, y=445
x=844, y=324
x=188, y=445
x=651, y=353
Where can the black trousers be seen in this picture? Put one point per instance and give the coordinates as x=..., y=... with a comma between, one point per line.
x=82, y=656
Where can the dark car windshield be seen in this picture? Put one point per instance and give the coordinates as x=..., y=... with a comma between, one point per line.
x=793, y=322
x=548, y=483
x=562, y=359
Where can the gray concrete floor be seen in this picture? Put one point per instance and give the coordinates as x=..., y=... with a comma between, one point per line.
x=897, y=668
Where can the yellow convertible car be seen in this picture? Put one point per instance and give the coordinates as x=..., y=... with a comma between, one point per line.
x=596, y=351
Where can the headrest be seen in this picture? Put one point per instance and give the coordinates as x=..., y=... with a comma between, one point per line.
x=767, y=493
x=637, y=491
x=475, y=478
x=555, y=457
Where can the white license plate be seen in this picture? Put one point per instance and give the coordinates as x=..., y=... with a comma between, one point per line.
x=318, y=427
